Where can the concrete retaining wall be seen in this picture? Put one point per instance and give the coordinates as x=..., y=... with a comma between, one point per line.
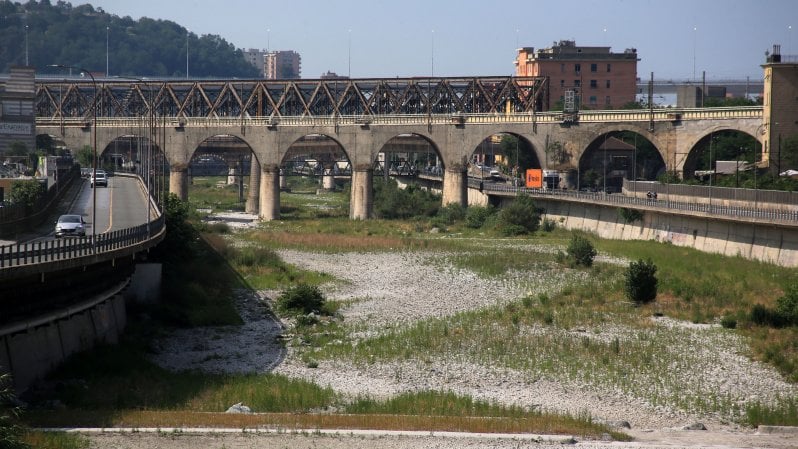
x=768, y=243
x=30, y=353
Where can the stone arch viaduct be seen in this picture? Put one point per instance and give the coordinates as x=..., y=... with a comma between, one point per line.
x=362, y=116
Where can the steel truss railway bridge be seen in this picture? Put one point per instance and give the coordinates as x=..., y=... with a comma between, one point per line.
x=362, y=116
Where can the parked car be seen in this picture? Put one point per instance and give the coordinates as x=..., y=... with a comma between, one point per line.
x=70, y=226
x=100, y=178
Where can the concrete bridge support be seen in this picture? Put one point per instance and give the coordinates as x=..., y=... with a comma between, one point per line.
x=455, y=186
x=328, y=181
x=178, y=182
x=253, y=195
x=362, y=200
x=269, y=192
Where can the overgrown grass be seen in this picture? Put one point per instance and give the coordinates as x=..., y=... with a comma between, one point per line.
x=55, y=440
x=214, y=193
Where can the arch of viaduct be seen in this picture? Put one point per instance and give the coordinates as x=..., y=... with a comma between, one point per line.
x=453, y=137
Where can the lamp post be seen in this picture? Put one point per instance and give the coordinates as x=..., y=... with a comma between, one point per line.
x=26, y=46
x=106, y=50
x=187, y=33
x=94, y=148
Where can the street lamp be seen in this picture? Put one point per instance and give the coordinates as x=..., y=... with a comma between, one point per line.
x=94, y=147
x=26, y=46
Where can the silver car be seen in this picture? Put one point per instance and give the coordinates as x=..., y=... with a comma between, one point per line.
x=70, y=226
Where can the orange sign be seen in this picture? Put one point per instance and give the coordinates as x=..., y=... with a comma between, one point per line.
x=534, y=178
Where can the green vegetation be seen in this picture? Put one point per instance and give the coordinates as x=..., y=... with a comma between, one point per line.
x=60, y=33
x=580, y=251
x=520, y=217
x=26, y=192
x=640, y=281
x=573, y=325
x=10, y=429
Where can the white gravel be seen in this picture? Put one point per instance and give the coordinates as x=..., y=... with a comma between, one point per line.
x=392, y=289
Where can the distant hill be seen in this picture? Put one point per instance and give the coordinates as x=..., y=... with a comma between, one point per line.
x=76, y=36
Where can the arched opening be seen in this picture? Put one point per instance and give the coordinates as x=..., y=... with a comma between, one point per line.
x=315, y=174
x=617, y=156
x=219, y=174
x=502, y=158
x=408, y=155
x=725, y=158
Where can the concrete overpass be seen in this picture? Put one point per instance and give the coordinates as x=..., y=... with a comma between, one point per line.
x=361, y=116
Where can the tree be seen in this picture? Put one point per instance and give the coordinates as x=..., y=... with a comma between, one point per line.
x=580, y=251
x=26, y=192
x=641, y=282
x=84, y=156
x=520, y=217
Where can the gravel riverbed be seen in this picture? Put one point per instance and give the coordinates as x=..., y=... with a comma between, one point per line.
x=393, y=289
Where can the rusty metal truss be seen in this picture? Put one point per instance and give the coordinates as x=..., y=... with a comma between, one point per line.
x=296, y=98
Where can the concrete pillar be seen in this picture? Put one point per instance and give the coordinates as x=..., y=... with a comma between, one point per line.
x=455, y=186
x=254, y=187
x=270, y=192
x=178, y=182
x=362, y=200
x=328, y=180
x=283, y=181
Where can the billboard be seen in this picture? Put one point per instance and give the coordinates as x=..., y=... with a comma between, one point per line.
x=534, y=178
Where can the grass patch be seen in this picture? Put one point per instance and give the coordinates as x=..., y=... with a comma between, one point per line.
x=55, y=440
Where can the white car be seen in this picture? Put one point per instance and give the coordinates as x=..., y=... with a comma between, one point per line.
x=101, y=179
x=70, y=226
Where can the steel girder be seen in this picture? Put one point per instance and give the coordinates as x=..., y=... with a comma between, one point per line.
x=296, y=98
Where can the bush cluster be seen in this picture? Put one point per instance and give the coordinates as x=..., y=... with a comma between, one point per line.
x=641, y=281
x=783, y=315
x=580, y=252
x=303, y=299
x=520, y=217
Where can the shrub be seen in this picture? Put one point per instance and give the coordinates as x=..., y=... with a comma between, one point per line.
x=302, y=299
x=477, y=216
x=549, y=225
x=520, y=217
x=728, y=322
x=641, y=282
x=10, y=429
x=451, y=213
x=580, y=251
x=630, y=215
x=787, y=306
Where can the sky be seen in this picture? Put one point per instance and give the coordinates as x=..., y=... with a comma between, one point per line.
x=675, y=39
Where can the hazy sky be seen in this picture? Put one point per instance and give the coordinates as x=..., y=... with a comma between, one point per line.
x=675, y=39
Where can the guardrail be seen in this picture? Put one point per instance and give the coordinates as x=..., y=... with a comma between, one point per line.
x=637, y=115
x=30, y=253
x=789, y=218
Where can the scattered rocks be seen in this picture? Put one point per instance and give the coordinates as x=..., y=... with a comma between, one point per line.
x=695, y=426
x=239, y=408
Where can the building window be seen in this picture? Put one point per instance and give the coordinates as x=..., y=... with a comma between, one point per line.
x=577, y=83
x=593, y=84
x=607, y=100
x=562, y=83
x=608, y=84
x=562, y=68
x=593, y=100
x=609, y=68
x=577, y=68
x=594, y=68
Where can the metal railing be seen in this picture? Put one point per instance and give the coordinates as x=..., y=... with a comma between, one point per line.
x=585, y=116
x=30, y=253
x=784, y=217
